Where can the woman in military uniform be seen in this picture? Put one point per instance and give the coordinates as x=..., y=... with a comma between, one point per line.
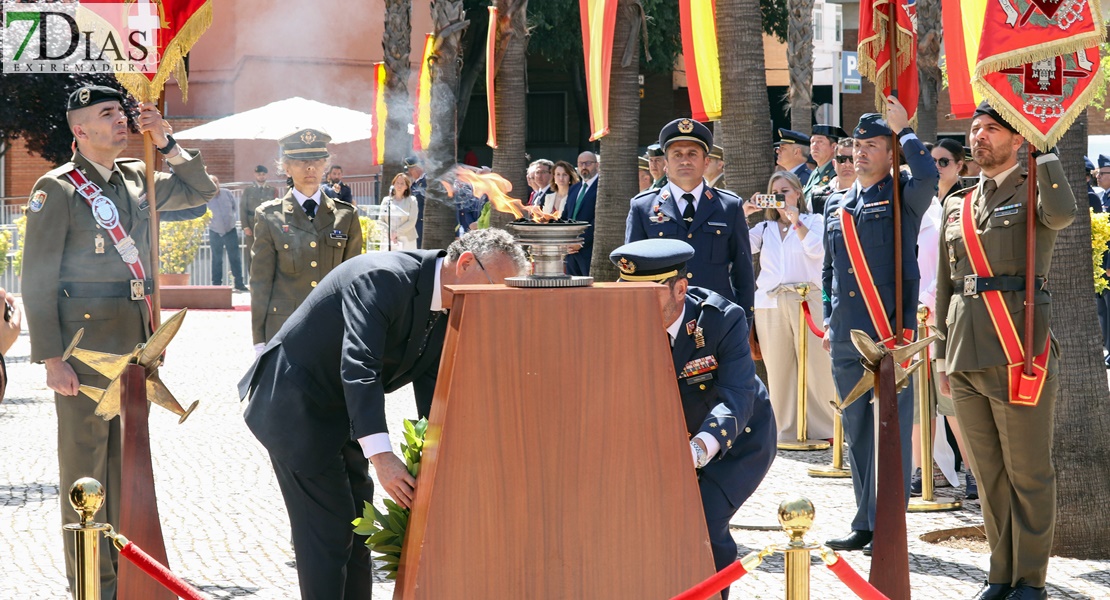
x=298, y=239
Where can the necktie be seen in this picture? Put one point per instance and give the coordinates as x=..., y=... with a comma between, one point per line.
x=578, y=202
x=310, y=208
x=688, y=212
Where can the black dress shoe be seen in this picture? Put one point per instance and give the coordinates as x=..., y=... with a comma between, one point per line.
x=853, y=541
x=867, y=549
x=993, y=591
x=1025, y=592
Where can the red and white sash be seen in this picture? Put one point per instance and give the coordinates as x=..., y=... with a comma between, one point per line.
x=867, y=288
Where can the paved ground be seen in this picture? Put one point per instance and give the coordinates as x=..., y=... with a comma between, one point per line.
x=226, y=527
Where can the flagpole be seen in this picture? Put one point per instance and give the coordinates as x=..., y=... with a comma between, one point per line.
x=152, y=202
x=1030, y=259
x=895, y=150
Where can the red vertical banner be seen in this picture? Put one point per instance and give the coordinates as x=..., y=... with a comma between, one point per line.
x=699, y=53
x=378, y=115
x=599, y=18
x=962, y=31
x=874, y=51
x=491, y=75
x=422, y=116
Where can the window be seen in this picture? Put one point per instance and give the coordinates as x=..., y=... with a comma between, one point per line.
x=839, y=32
x=547, y=118
x=818, y=24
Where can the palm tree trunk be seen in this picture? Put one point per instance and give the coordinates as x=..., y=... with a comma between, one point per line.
x=474, y=56
x=619, y=181
x=1081, y=444
x=439, y=210
x=745, y=106
x=396, y=47
x=928, y=57
x=511, y=90
x=799, y=55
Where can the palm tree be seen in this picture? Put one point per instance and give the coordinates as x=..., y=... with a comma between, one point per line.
x=439, y=211
x=619, y=180
x=396, y=46
x=1081, y=445
x=747, y=143
x=799, y=55
x=928, y=67
x=511, y=91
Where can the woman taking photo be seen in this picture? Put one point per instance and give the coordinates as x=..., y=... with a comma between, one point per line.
x=402, y=212
x=791, y=251
x=564, y=177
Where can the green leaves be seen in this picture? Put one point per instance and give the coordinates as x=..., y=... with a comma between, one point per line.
x=385, y=532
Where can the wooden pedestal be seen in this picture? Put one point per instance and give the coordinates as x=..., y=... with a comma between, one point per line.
x=556, y=462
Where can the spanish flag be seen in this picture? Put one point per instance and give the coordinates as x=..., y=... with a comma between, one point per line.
x=699, y=52
x=422, y=116
x=599, y=18
x=874, y=51
x=963, y=28
x=378, y=116
x=491, y=76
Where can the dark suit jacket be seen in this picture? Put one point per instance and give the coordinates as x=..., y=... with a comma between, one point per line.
x=360, y=334
x=579, y=262
x=344, y=193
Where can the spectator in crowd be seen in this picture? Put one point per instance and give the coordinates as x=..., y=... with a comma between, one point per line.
x=822, y=149
x=416, y=174
x=715, y=171
x=581, y=202
x=657, y=166
x=530, y=177
x=790, y=246
x=561, y=183
x=335, y=188
x=845, y=168
x=9, y=333
x=223, y=237
x=1094, y=193
x=948, y=155
x=644, y=171
x=541, y=174
x=253, y=197
x=400, y=214
x=791, y=154
x=468, y=207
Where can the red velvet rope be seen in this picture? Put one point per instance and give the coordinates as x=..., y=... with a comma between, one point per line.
x=719, y=581
x=159, y=572
x=817, y=331
x=859, y=586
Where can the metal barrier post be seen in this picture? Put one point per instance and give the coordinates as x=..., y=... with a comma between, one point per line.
x=87, y=496
x=796, y=517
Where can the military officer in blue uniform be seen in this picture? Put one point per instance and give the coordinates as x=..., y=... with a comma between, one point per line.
x=709, y=219
x=728, y=415
x=869, y=205
x=790, y=153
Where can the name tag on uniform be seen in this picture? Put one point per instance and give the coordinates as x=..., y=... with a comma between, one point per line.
x=338, y=235
x=699, y=378
x=143, y=204
x=713, y=224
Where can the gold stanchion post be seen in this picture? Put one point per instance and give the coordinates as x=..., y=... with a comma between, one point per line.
x=802, y=443
x=927, y=502
x=836, y=470
x=796, y=516
x=87, y=496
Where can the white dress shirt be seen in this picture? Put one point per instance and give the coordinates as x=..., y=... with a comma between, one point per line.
x=787, y=260
x=677, y=193
x=301, y=198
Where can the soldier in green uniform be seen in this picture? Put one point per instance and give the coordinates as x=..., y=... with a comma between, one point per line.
x=657, y=166
x=253, y=197
x=87, y=265
x=298, y=239
x=1007, y=429
x=822, y=148
x=715, y=171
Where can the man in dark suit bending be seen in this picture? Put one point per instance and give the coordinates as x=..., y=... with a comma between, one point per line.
x=317, y=392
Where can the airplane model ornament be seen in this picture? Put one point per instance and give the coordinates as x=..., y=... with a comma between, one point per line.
x=873, y=353
x=148, y=356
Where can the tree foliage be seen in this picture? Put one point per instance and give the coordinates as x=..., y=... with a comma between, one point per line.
x=34, y=110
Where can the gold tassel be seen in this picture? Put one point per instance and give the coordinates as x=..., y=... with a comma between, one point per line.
x=172, y=60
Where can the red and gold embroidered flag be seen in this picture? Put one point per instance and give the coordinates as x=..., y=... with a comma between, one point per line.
x=378, y=115
x=599, y=17
x=491, y=75
x=874, y=51
x=1038, y=63
x=422, y=116
x=180, y=23
x=699, y=52
x=963, y=27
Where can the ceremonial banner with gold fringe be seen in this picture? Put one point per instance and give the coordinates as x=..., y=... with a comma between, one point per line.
x=182, y=24
x=378, y=115
x=699, y=52
x=874, y=51
x=599, y=18
x=491, y=75
x=422, y=116
x=963, y=27
x=1038, y=63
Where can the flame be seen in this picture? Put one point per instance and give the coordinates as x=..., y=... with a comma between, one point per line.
x=542, y=217
x=494, y=187
x=450, y=187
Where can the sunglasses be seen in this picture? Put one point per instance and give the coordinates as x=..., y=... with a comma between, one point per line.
x=842, y=158
x=943, y=162
x=483, y=267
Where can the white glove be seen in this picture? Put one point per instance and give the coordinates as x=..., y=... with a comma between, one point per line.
x=258, y=349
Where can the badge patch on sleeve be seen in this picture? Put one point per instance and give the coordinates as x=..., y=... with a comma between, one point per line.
x=36, y=201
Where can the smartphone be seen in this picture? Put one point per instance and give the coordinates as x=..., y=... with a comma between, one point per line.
x=8, y=310
x=769, y=200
